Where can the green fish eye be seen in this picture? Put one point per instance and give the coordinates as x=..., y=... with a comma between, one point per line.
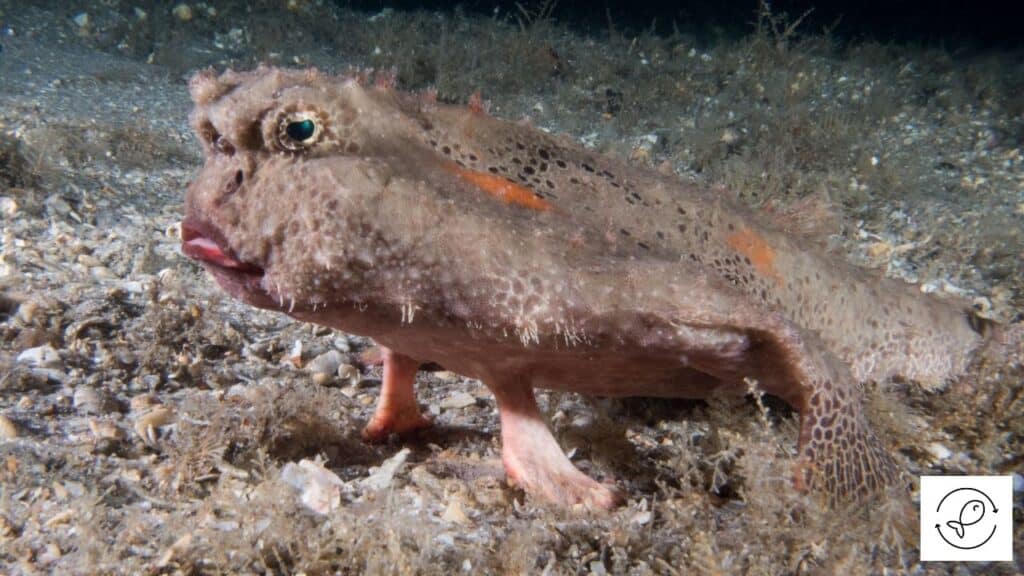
x=300, y=130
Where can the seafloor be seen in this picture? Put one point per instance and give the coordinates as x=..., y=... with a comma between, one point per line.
x=147, y=418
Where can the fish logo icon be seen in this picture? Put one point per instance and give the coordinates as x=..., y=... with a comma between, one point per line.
x=966, y=518
x=972, y=513
x=968, y=530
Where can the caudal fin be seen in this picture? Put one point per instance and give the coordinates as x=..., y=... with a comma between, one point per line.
x=839, y=453
x=957, y=527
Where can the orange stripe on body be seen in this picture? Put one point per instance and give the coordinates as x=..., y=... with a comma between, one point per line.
x=501, y=188
x=762, y=256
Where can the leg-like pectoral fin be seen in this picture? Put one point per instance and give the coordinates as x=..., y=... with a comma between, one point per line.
x=397, y=411
x=534, y=461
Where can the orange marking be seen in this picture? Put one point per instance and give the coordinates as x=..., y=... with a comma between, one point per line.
x=477, y=104
x=501, y=188
x=752, y=245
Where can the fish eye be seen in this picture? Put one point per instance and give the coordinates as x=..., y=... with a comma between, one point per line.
x=301, y=130
x=297, y=131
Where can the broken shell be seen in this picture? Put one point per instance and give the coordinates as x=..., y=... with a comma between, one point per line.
x=142, y=402
x=89, y=260
x=320, y=488
x=294, y=356
x=147, y=425
x=105, y=430
x=102, y=273
x=60, y=518
x=349, y=374
x=454, y=513
x=168, y=276
x=59, y=491
x=382, y=476
x=8, y=207
x=342, y=343
x=182, y=12
x=326, y=363
x=458, y=400
x=642, y=518
x=8, y=429
x=89, y=400
x=27, y=311
x=50, y=554
x=881, y=249
x=41, y=357
x=173, y=231
x=938, y=451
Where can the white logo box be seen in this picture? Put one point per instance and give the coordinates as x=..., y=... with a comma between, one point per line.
x=967, y=518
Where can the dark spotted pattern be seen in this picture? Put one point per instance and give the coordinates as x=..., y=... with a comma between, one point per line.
x=844, y=456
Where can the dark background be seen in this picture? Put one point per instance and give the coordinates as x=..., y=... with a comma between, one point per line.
x=947, y=23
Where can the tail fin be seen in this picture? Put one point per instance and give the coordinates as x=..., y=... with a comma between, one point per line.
x=957, y=527
x=839, y=453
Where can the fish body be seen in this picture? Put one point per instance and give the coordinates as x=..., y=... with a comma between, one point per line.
x=970, y=514
x=522, y=259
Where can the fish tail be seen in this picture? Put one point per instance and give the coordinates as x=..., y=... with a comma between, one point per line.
x=957, y=527
x=840, y=454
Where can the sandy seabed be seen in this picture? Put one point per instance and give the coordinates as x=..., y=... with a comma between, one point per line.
x=150, y=424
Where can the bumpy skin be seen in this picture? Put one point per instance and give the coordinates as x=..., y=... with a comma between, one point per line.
x=523, y=260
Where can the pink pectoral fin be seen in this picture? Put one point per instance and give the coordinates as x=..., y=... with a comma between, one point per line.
x=397, y=411
x=535, y=462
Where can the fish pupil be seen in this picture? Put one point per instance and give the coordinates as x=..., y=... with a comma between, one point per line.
x=301, y=130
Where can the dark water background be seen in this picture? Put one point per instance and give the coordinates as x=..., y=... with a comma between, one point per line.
x=941, y=22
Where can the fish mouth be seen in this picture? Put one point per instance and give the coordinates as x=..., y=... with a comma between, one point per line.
x=203, y=242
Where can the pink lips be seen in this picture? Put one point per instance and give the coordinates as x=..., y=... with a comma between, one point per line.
x=203, y=243
x=208, y=251
x=243, y=280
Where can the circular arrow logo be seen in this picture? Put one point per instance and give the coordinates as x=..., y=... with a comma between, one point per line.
x=968, y=518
